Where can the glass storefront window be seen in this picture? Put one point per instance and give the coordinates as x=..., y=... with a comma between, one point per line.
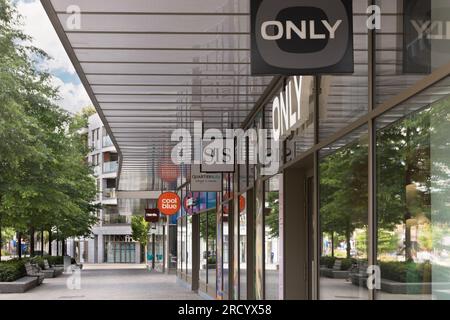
x=343, y=214
x=179, y=246
x=203, y=266
x=183, y=244
x=271, y=238
x=243, y=251
x=212, y=247
x=119, y=249
x=413, y=161
x=343, y=99
x=227, y=207
x=189, y=245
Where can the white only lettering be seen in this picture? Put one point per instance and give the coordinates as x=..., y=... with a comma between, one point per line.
x=286, y=112
x=304, y=30
x=433, y=30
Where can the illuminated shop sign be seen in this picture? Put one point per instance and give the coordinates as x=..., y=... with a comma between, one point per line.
x=169, y=203
x=286, y=109
x=302, y=37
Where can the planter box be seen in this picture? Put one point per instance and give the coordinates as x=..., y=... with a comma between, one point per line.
x=396, y=287
x=334, y=274
x=19, y=286
x=48, y=273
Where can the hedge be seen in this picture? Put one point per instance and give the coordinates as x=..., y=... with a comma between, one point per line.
x=12, y=270
x=327, y=261
x=406, y=272
x=15, y=269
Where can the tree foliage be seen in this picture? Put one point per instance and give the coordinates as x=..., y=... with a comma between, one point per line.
x=140, y=229
x=45, y=181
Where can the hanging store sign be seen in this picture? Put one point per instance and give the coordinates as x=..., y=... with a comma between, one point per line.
x=205, y=182
x=152, y=215
x=426, y=41
x=217, y=154
x=303, y=37
x=190, y=202
x=169, y=203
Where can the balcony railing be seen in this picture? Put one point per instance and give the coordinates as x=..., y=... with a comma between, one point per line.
x=107, y=142
x=95, y=145
x=109, y=193
x=109, y=167
x=116, y=219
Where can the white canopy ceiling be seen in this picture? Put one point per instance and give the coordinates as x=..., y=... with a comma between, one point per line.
x=152, y=66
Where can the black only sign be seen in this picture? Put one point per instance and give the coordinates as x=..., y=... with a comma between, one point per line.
x=301, y=37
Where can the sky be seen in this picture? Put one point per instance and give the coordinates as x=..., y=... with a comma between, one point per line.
x=38, y=26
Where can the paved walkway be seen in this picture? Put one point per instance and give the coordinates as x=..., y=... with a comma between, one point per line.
x=110, y=282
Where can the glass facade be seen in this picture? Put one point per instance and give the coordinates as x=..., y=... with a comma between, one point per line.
x=271, y=238
x=119, y=249
x=343, y=217
x=203, y=265
x=412, y=208
x=374, y=146
x=242, y=267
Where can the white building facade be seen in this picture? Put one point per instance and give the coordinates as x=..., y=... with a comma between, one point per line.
x=111, y=240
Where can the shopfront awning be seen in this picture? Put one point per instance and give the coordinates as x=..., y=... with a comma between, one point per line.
x=154, y=66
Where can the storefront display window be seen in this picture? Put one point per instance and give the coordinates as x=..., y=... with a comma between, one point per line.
x=212, y=253
x=203, y=266
x=243, y=251
x=271, y=238
x=343, y=214
x=413, y=161
x=188, y=245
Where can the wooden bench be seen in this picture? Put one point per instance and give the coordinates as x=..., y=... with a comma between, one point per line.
x=358, y=276
x=19, y=286
x=51, y=271
x=335, y=272
x=33, y=271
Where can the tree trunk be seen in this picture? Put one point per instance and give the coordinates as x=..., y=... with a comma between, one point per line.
x=63, y=244
x=19, y=245
x=50, y=242
x=408, y=181
x=145, y=254
x=408, y=243
x=57, y=242
x=347, y=239
x=42, y=242
x=332, y=244
x=31, y=241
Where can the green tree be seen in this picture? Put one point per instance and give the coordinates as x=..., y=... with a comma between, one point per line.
x=44, y=179
x=139, y=232
x=343, y=191
x=272, y=213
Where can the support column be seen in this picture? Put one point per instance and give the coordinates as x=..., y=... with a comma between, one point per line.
x=295, y=236
x=100, y=250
